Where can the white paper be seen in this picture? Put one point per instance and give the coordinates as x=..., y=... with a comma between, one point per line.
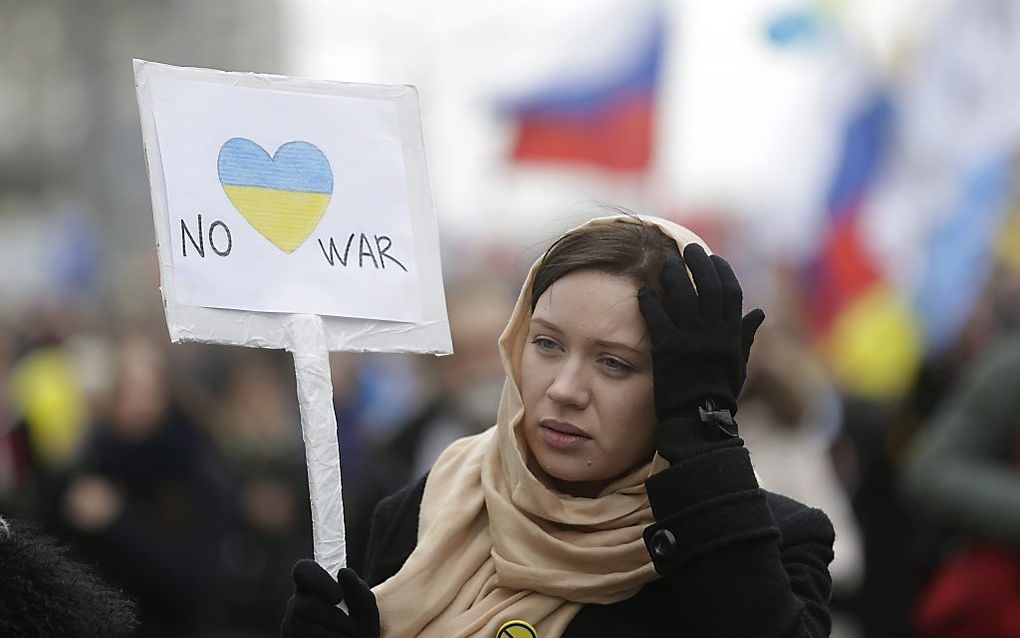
x=362, y=321
x=329, y=235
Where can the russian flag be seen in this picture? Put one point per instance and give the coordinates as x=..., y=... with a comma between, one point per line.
x=605, y=118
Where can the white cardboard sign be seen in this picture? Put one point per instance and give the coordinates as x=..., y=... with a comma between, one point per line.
x=294, y=214
x=274, y=195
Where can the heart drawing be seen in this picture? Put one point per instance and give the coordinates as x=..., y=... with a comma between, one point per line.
x=284, y=196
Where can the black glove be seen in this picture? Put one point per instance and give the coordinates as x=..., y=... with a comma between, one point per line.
x=312, y=611
x=700, y=346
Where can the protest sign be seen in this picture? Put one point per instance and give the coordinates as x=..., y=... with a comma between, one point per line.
x=297, y=214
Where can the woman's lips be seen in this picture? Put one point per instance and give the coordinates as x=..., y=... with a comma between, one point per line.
x=562, y=435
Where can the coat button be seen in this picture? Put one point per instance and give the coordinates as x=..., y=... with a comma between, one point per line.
x=662, y=545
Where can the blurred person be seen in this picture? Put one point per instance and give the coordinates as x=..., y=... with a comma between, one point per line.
x=46, y=594
x=613, y=495
x=790, y=415
x=465, y=386
x=48, y=398
x=259, y=432
x=469, y=381
x=965, y=476
x=373, y=395
x=876, y=443
x=146, y=498
x=385, y=390
x=54, y=370
x=873, y=448
x=461, y=401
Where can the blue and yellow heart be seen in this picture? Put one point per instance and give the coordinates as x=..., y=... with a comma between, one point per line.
x=284, y=196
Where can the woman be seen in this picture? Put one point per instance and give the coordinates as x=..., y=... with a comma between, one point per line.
x=613, y=495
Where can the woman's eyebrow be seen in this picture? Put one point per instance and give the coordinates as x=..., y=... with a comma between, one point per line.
x=545, y=323
x=616, y=344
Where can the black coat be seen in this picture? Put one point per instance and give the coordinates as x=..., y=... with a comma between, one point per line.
x=736, y=561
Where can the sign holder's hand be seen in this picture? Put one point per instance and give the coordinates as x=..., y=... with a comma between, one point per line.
x=326, y=607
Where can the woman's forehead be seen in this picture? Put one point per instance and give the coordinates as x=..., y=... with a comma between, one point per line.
x=592, y=303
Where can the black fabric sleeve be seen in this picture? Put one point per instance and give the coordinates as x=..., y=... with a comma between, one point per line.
x=394, y=532
x=739, y=560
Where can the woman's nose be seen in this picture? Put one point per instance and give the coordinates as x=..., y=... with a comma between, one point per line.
x=570, y=386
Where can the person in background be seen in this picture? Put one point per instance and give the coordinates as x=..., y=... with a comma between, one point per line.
x=468, y=382
x=965, y=476
x=789, y=416
x=49, y=399
x=146, y=498
x=259, y=433
x=462, y=401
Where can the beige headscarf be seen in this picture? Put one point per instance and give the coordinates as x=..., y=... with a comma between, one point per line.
x=495, y=544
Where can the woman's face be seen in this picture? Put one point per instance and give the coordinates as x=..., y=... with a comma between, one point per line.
x=586, y=382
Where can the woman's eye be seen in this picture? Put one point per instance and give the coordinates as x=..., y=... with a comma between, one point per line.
x=615, y=364
x=544, y=343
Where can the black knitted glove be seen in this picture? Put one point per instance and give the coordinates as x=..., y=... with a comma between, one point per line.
x=700, y=346
x=312, y=611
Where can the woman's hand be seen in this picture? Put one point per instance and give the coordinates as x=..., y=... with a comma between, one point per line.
x=700, y=346
x=312, y=611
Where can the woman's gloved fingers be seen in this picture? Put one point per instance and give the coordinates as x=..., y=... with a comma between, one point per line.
x=314, y=611
x=748, y=326
x=659, y=322
x=360, y=601
x=310, y=578
x=732, y=295
x=706, y=280
x=681, y=302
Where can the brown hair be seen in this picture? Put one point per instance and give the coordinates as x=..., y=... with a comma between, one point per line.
x=633, y=249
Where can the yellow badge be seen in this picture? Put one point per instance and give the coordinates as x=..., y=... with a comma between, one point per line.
x=516, y=629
